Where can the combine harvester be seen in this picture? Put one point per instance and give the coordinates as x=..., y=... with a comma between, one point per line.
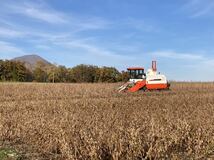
x=145, y=81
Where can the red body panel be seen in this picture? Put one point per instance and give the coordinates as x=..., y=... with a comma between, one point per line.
x=156, y=86
x=137, y=86
x=135, y=68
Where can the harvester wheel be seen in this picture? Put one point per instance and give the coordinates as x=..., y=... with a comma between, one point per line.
x=144, y=88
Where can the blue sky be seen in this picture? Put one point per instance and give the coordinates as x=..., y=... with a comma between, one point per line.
x=179, y=34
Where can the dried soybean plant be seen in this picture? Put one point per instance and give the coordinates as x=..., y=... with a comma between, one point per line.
x=93, y=121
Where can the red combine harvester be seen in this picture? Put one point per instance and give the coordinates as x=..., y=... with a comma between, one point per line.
x=139, y=80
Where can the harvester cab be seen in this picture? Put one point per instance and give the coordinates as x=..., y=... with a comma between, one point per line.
x=136, y=74
x=139, y=80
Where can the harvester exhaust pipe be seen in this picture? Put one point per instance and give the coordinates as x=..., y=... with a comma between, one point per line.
x=154, y=66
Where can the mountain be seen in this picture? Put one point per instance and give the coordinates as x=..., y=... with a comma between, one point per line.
x=30, y=61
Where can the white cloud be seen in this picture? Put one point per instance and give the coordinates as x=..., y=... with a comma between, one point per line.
x=139, y=25
x=175, y=55
x=92, y=49
x=10, y=33
x=89, y=23
x=188, y=66
x=39, y=12
x=8, y=50
x=51, y=17
x=43, y=47
x=18, y=31
x=209, y=63
x=198, y=8
x=45, y=13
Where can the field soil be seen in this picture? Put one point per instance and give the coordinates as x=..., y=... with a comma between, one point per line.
x=93, y=121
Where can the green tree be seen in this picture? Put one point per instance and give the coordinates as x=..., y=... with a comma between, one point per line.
x=22, y=73
x=14, y=71
x=39, y=73
x=62, y=74
x=8, y=71
x=108, y=74
x=2, y=69
x=124, y=76
x=51, y=73
x=83, y=73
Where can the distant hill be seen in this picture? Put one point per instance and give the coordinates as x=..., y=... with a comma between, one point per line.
x=30, y=61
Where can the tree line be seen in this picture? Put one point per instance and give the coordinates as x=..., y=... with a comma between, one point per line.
x=16, y=71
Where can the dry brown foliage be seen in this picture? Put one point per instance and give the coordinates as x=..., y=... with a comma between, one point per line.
x=93, y=121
